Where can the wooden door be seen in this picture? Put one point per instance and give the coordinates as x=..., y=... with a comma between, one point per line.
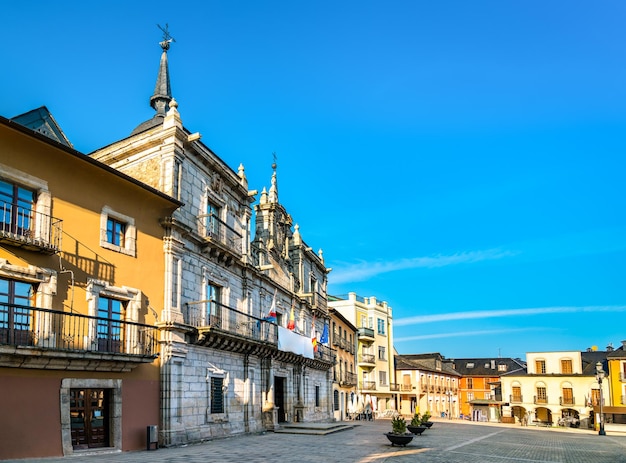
x=89, y=418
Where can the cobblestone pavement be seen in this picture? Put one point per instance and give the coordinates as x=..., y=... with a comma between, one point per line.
x=447, y=441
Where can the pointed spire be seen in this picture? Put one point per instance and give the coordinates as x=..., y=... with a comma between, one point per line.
x=162, y=92
x=273, y=194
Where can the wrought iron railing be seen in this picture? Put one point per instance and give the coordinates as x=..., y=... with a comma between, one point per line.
x=406, y=387
x=29, y=227
x=566, y=401
x=366, y=332
x=394, y=386
x=212, y=314
x=348, y=378
x=366, y=358
x=213, y=228
x=64, y=331
x=367, y=385
x=325, y=353
x=541, y=399
x=516, y=399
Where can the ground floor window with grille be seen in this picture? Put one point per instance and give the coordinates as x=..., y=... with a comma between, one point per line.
x=217, y=394
x=336, y=400
x=317, y=396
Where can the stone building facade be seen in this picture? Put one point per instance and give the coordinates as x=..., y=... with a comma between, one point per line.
x=229, y=364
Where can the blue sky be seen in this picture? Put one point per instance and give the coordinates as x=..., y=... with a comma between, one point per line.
x=463, y=161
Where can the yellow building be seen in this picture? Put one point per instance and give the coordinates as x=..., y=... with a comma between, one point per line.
x=81, y=282
x=615, y=412
x=375, y=365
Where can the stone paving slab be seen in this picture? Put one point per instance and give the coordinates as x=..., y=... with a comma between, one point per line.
x=447, y=442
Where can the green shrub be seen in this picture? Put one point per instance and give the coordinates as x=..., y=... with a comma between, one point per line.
x=417, y=420
x=398, y=425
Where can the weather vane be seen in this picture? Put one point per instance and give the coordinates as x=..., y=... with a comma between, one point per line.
x=274, y=163
x=167, y=38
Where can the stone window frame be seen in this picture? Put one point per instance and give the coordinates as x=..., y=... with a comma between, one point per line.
x=215, y=372
x=43, y=198
x=115, y=411
x=130, y=234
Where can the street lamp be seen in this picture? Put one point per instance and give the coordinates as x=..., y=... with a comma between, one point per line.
x=599, y=378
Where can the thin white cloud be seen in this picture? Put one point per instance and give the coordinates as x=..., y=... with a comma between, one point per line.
x=365, y=270
x=462, y=334
x=479, y=314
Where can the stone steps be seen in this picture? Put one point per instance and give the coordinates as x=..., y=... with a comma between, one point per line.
x=318, y=429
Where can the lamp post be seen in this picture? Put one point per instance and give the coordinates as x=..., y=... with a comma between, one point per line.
x=599, y=378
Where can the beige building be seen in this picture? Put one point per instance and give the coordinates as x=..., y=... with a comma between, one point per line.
x=343, y=340
x=427, y=383
x=556, y=387
x=375, y=365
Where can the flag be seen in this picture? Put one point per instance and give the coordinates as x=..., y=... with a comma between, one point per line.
x=292, y=319
x=324, y=338
x=271, y=317
x=313, y=336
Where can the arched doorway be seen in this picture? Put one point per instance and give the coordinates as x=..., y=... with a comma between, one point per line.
x=569, y=418
x=543, y=415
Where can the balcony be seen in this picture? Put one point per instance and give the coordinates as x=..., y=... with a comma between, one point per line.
x=540, y=399
x=367, y=360
x=336, y=339
x=366, y=335
x=32, y=337
x=221, y=240
x=29, y=229
x=367, y=385
x=516, y=399
x=348, y=379
x=221, y=327
x=394, y=387
x=566, y=401
x=406, y=387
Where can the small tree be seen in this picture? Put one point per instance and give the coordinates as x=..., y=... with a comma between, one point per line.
x=416, y=420
x=398, y=425
x=426, y=417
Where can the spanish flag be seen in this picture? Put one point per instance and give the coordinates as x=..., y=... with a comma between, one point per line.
x=292, y=319
x=313, y=336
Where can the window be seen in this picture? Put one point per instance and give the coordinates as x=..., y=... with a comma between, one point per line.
x=517, y=394
x=110, y=316
x=470, y=396
x=336, y=400
x=381, y=353
x=566, y=366
x=470, y=383
x=595, y=397
x=382, y=378
x=217, y=394
x=542, y=396
x=568, y=396
x=540, y=367
x=381, y=326
x=14, y=319
x=214, y=306
x=502, y=367
x=363, y=321
x=16, y=209
x=117, y=232
x=212, y=221
x=317, y=396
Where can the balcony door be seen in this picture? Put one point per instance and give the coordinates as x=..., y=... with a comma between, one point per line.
x=16, y=209
x=15, y=316
x=89, y=418
x=110, y=316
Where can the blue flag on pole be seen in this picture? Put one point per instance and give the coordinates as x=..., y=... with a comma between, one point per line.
x=324, y=338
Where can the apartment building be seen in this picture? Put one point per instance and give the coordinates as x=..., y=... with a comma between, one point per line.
x=375, y=361
x=343, y=340
x=81, y=292
x=555, y=387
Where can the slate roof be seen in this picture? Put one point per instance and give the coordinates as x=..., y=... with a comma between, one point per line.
x=487, y=366
x=425, y=362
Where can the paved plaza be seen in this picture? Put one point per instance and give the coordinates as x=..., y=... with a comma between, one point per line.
x=448, y=441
